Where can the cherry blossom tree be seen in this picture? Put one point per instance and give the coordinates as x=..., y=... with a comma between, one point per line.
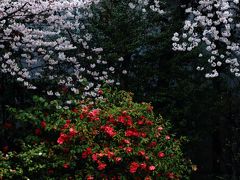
x=48, y=39
x=212, y=25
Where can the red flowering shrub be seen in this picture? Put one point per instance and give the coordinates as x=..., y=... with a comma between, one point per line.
x=114, y=138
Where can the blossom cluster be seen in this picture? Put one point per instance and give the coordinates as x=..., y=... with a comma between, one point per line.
x=122, y=137
x=213, y=24
x=117, y=142
x=49, y=39
x=143, y=5
x=111, y=139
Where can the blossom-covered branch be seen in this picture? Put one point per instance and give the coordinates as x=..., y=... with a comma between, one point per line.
x=214, y=25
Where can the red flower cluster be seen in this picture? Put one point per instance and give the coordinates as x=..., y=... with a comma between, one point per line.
x=161, y=154
x=108, y=130
x=86, y=153
x=90, y=178
x=94, y=115
x=118, y=159
x=128, y=149
x=141, y=153
x=66, y=166
x=94, y=157
x=101, y=165
x=127, y=144
x=66, y=137
x=125, y=119
x=143, y=165
x=126, y=141
x=152, y=168
x=133, y=167
x=143, y=120
x=63, y=138
x=43, y=124
x=132, y=132
x=72, y=131
x=66, y=125
x=153, y=144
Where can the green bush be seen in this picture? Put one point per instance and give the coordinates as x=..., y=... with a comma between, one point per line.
x=112, y=138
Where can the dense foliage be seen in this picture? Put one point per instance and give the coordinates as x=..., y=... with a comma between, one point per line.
x=114, y=138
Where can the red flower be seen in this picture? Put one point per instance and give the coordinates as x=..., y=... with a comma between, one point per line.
x=128, y=149
x=111, y=119
x=86, y=153
x=125, y=119
x=143, y=165
x=133, y=167
x=101, y=166
x=151, y=168
x=100, y=92
x=43, y=124
x=95, y=112
x=161, y=154
x=60, y=140
x=143, y=134
x=126, y=141
x=121, y=119
x=72, y=132
x=100, y=154
x=66, y=166
x=109, y=130
x=141, y=153
x=38, y=132
x=140, y=122
x=120, y=147
x=131, y=132
x=94, y=157
x=167, y=137
x=89, y=150
x=63, y=137
x=68, y=121
x=148, y=178
x=85, y=109
x=93, y=115
x=124, y=112
x=66, y=125
x=110, y=154
x=118, y=159
x=81, y=116
x=160, y=128
x=90, y=178
x=171, y=175
x=129, y=121
x=149, y=122
x=153, y=144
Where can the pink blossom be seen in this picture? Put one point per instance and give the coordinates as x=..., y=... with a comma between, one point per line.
x=152, y=168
